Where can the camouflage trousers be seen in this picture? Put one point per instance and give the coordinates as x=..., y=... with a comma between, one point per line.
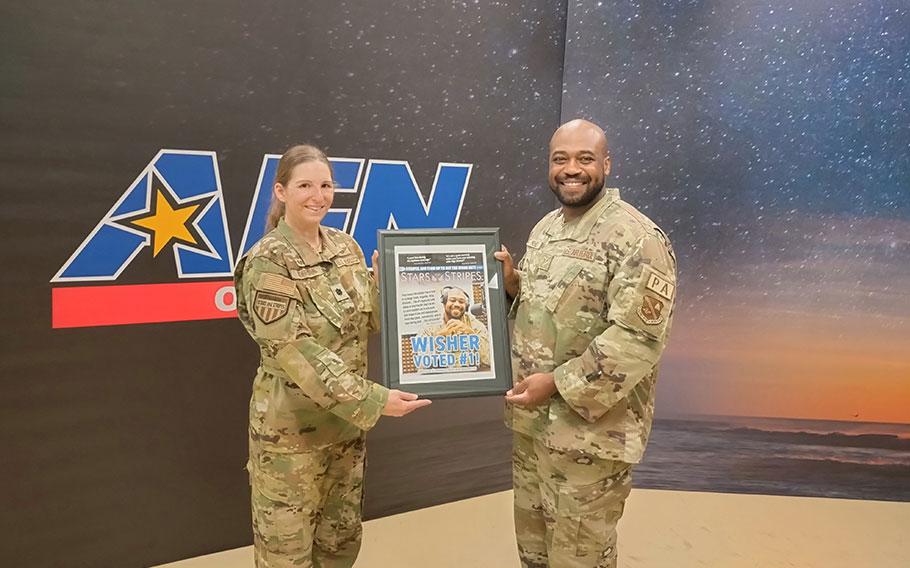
x=567, y=505
x=307, y=506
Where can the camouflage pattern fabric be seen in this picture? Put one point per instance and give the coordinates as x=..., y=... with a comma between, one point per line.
x=306, y=505
x=310, y=313
x=567, y=505
x=594, y=308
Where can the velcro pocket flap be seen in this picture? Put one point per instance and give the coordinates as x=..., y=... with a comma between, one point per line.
x=325, y=303
x=555, y=296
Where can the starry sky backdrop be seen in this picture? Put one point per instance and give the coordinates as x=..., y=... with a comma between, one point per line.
x=771, y=139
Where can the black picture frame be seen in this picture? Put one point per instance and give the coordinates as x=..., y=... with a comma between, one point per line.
x=405, y=351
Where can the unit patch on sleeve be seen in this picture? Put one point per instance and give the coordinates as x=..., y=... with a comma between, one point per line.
x=270, y=307
x=649, y=310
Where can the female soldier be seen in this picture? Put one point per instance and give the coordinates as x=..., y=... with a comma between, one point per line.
x=305, y=295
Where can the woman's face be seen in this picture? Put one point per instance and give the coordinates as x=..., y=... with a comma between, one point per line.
x=308, y=194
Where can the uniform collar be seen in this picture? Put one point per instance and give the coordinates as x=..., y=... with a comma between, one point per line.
x=580, y=228
x=330, y=247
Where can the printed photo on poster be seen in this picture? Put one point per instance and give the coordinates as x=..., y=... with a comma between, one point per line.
x=443, y=315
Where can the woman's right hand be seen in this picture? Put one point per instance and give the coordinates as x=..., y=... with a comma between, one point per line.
x=401, y=403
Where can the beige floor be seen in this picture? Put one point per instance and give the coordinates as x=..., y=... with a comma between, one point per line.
x=660, y=529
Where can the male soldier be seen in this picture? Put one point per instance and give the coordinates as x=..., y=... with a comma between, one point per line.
x=456, y=320
x=593, y=300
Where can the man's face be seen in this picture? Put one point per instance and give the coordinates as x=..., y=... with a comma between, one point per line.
x=455, y=305
x=578, y=165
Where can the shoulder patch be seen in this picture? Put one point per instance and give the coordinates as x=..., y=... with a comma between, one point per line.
x=658, y=284
x=270, y=282
x=270, y=307
x=650, y=310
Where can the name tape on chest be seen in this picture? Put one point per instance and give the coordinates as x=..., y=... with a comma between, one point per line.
x=350, y=260
x=580, y=253
x=309, y=272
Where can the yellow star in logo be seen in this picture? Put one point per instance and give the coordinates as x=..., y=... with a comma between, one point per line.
x=168, y=223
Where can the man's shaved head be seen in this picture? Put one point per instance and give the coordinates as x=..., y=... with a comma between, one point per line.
x=579, y=162
x=584, y=129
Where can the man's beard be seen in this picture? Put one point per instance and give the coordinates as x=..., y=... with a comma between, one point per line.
x=589, y=195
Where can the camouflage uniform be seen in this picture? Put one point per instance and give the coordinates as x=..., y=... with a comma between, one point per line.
x=594, y=308
x=310, y=314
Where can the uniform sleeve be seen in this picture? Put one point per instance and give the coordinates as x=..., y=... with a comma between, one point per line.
x=641, y=295
x=274, y=305
x=373, y=293
x=520, y=272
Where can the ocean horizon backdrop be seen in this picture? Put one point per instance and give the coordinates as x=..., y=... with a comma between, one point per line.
x=778, y=456
x=769, y=140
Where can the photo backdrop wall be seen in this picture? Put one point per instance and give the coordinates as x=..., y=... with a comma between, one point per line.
x=125, y=444
x=770, y=139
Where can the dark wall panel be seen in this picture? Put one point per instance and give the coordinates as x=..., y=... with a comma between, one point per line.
x=125, y=445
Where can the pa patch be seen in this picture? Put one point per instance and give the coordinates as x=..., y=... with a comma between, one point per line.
x=270, y=307
x=649, y=310
x=659, y=285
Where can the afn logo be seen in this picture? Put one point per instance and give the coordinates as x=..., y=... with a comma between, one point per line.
x=175, y=208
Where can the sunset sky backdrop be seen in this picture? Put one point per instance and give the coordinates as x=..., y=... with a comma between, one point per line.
x=771, y=140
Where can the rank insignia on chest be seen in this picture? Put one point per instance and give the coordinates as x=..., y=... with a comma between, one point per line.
x=339, y=293
x=650, y=310
x=270, y=307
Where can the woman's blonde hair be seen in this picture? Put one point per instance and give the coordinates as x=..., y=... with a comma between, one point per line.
x=295, y=155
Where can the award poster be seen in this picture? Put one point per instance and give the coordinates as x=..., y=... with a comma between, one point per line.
x=443, y=306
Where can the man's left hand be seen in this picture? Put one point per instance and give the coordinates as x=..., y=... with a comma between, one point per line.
x=533, y=390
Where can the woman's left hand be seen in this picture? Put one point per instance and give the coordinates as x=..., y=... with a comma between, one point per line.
x=375, y=271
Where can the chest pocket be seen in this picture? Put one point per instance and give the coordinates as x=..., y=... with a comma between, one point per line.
x=556, y=295
x=329, y=299
x=332, y=301
x=535, y=261
x=578, y=298
x=356, y=281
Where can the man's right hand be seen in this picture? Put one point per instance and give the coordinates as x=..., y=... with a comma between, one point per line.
x=509, y=274
x=401, y=403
